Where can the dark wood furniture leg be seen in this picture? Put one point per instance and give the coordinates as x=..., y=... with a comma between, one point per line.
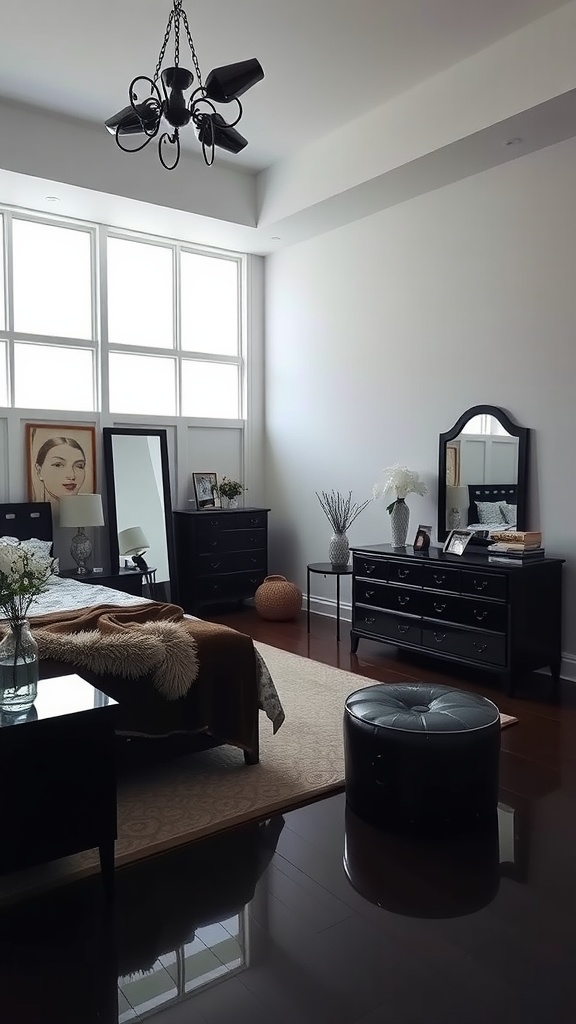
x=106, y=851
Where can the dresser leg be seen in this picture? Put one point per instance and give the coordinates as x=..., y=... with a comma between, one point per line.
x=354, y=641
x=555, y=669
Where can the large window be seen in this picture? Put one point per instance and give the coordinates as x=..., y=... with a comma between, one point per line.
x=97, y=319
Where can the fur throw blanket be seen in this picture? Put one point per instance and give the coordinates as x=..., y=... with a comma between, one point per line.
x=154, y=640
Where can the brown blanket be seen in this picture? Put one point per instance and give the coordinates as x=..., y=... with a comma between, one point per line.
x=153, y=640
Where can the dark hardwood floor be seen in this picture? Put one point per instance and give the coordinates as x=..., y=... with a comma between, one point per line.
x=317, y=918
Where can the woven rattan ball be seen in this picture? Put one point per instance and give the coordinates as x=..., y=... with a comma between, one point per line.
x=278, y=599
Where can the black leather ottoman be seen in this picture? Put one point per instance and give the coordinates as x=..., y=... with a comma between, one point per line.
x=421, y=757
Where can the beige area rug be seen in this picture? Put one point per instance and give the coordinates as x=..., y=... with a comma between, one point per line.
x=194, y=796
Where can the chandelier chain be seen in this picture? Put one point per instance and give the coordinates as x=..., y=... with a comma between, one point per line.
x=177, y=17
x=192, y=48
x=163, y=47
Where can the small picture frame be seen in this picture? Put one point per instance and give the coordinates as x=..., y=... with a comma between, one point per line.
x=456, y=541
x=422, y=539
x=206, y=490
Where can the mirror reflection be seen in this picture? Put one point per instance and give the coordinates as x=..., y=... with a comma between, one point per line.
x=482, y=474
x=139, y=500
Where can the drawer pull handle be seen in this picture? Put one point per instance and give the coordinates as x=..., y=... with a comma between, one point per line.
x=479, y=615
x=253, y=522
x=368, y=567
x=254, y=561
x=403, y=600
x=439, y=637
x=439, y=577
x=369, y=620
x=253, y=540
x=215, y=586
x=480, y=647
x=213, y=543
x=213, y=522
x=370, y=593
x=438, y=607
x=254, y=579
x=214, y=565
x=480, y=584
x=403, y=573
x=403, y=629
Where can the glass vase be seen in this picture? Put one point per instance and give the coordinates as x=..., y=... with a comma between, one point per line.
x=339, y=549
x=18, y=668
x=399, y=521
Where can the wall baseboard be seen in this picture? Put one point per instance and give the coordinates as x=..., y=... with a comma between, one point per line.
x=327, y=606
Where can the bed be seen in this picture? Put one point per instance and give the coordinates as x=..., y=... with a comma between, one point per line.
x=494, y=495
x=221, y=705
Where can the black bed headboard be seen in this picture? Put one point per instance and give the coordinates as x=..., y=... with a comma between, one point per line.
x=490, y=492
x=25, y=519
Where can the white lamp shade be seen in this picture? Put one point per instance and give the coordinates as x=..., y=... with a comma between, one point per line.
x=457, y=497
x=81, y=510
x=132, y=541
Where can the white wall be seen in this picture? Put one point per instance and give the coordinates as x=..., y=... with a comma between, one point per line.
x=381, y=333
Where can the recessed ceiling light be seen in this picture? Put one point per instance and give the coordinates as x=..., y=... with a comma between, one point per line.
x=52, y=199
x=513, y=142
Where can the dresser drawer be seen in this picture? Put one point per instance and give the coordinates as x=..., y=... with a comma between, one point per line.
x=229, y=586
x=407, y=573
x=474, y=645
x=210, y=524
x=484, y=584
x=467, y=611
x=388, y=626
x=375, y=568
x=233, y=540
x=233, y=561
x=401, y=599
x=439, y=577
x=370, y=592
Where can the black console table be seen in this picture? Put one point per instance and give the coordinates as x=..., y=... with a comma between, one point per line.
x=501, y=616
x=128, y=580
x=57, y=762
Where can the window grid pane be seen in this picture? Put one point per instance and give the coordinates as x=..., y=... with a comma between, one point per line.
x=142, y=384
x=209, y=304
x=52, y=280
x=53, y=377
x=2, y=296
x=210, y=389
x=140, y=294
x=3, y=375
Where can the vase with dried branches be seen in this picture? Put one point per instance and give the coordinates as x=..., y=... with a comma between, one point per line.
x=341, y=513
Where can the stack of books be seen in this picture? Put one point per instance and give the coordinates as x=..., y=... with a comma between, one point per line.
x=520, y=545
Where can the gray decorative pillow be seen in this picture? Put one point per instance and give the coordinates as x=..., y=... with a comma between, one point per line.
x=489, y=512
x=37, y=547
x=13, y=542
x=509, y=512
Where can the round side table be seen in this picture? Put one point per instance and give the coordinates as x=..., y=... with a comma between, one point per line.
x=327, y=569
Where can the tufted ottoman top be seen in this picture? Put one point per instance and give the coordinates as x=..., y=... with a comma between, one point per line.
x=421, y=707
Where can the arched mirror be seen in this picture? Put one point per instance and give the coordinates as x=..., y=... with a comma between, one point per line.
x=482, y=473
x=139, y=503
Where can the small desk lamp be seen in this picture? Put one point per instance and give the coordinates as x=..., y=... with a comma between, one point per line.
x=133, y=542
x=80, y=511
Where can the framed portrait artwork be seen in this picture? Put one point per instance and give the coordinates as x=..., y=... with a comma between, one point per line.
x=206, y=490
x=453, y=464
x=422, y=539
x=456, y=542
x=60, y=459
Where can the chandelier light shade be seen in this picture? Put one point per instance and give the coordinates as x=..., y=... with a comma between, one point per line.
x=169, y=99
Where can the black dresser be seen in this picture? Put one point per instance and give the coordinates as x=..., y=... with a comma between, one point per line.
x=221, y=555
x=501, y=616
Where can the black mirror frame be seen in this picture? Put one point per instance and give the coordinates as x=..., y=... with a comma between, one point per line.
x=107, y=434
x=522, y=433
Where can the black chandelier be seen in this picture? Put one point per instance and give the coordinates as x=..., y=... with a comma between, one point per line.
x=143, y=115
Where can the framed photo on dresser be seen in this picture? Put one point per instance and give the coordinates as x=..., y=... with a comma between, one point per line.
x=456, y=541
x=206, y=490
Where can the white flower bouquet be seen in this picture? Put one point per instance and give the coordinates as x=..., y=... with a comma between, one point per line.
x=402, y=480
x=24, y=575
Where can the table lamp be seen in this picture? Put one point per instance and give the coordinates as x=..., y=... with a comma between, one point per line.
x=133, y=542
x=80, y=511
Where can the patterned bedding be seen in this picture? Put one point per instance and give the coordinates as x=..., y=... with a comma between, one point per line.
x=66, y=594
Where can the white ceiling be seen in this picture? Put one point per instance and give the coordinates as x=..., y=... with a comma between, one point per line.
x=326, y=61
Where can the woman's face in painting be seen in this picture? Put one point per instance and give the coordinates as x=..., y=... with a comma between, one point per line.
x=63, y=471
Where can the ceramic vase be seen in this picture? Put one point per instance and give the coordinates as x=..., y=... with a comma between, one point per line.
x=399, y=521
x=339, y=549
x=18, y=668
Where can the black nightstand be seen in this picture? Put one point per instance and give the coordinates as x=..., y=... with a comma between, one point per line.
x=129, y=581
